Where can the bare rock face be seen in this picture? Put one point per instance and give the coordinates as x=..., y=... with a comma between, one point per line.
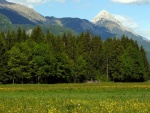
x=107, y=20
x=3, y=1
x=24, y=11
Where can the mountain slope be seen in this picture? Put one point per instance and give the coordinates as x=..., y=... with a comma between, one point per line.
x=5, y=25
x=105, y=19
x=4, y=20
x=23, y=14
x=80, y=25
x=14, y=15
x=104, y=24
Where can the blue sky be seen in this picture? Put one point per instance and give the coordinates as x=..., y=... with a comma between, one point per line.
x=134, y=14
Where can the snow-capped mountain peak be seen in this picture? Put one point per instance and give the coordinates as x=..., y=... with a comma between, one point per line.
x=106, y=19
x=104, y=15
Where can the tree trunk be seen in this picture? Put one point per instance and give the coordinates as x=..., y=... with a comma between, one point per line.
x=107, y=70
x=38, y=79
x=13, y=80
x=21, y=80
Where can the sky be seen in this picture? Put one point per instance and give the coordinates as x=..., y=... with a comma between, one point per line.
x=134, y=14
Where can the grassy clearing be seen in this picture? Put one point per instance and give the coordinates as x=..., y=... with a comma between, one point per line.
x=76, y=98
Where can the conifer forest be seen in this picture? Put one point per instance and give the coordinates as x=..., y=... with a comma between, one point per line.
x=47, y=58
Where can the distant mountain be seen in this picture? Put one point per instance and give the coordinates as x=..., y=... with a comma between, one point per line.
x=3, y=1
x=80, y=25
x=14, y=15
x=104, y=24
x=4, y=20
x=6, y=24
x=105, y=19
x=19, y=14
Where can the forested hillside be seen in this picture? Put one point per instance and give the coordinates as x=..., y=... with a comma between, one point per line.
x=47, y=58
x=6, y=24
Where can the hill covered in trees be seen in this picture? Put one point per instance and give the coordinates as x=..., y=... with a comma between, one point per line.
x=68, y=58
x=6, y=25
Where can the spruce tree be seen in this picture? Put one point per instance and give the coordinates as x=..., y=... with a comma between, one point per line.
x=3, y=57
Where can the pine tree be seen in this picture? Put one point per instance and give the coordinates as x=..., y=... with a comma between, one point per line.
x=96, y=56
x=107, y=56
x=38, y=35
x=146, y=64
x=3, y=57
x=19, y=35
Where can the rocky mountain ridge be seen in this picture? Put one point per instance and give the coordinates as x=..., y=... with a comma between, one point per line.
x=80, y=25
x=104, y=24
x=105, y=19
x=21, y=10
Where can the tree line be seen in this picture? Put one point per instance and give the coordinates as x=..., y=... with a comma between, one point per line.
x=47, y=58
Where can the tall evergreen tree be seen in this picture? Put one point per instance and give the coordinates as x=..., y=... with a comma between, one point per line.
x=41, y=58
x=146, y=64
x=96, y=56
x=37, y=35
x=3, y=57
x=19, y=36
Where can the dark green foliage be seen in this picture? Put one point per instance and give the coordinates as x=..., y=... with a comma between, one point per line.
x=5, y=23
x=37, y=35
x=40, y=58
x=3, y=57
x=146, y=64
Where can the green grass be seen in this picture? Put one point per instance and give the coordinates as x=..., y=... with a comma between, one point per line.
x=80, y=98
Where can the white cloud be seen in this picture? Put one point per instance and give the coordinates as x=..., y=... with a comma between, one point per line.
x=27, y=1
x=76, y=0
x=144, y=32
x=34, y=1
x=132, y=1
x=133, y=25
x=127, y=22
x=31, y=3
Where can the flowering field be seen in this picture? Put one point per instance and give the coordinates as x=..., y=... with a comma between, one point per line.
x=76, y=98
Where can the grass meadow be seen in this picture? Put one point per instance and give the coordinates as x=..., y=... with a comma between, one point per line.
x=76, y=98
